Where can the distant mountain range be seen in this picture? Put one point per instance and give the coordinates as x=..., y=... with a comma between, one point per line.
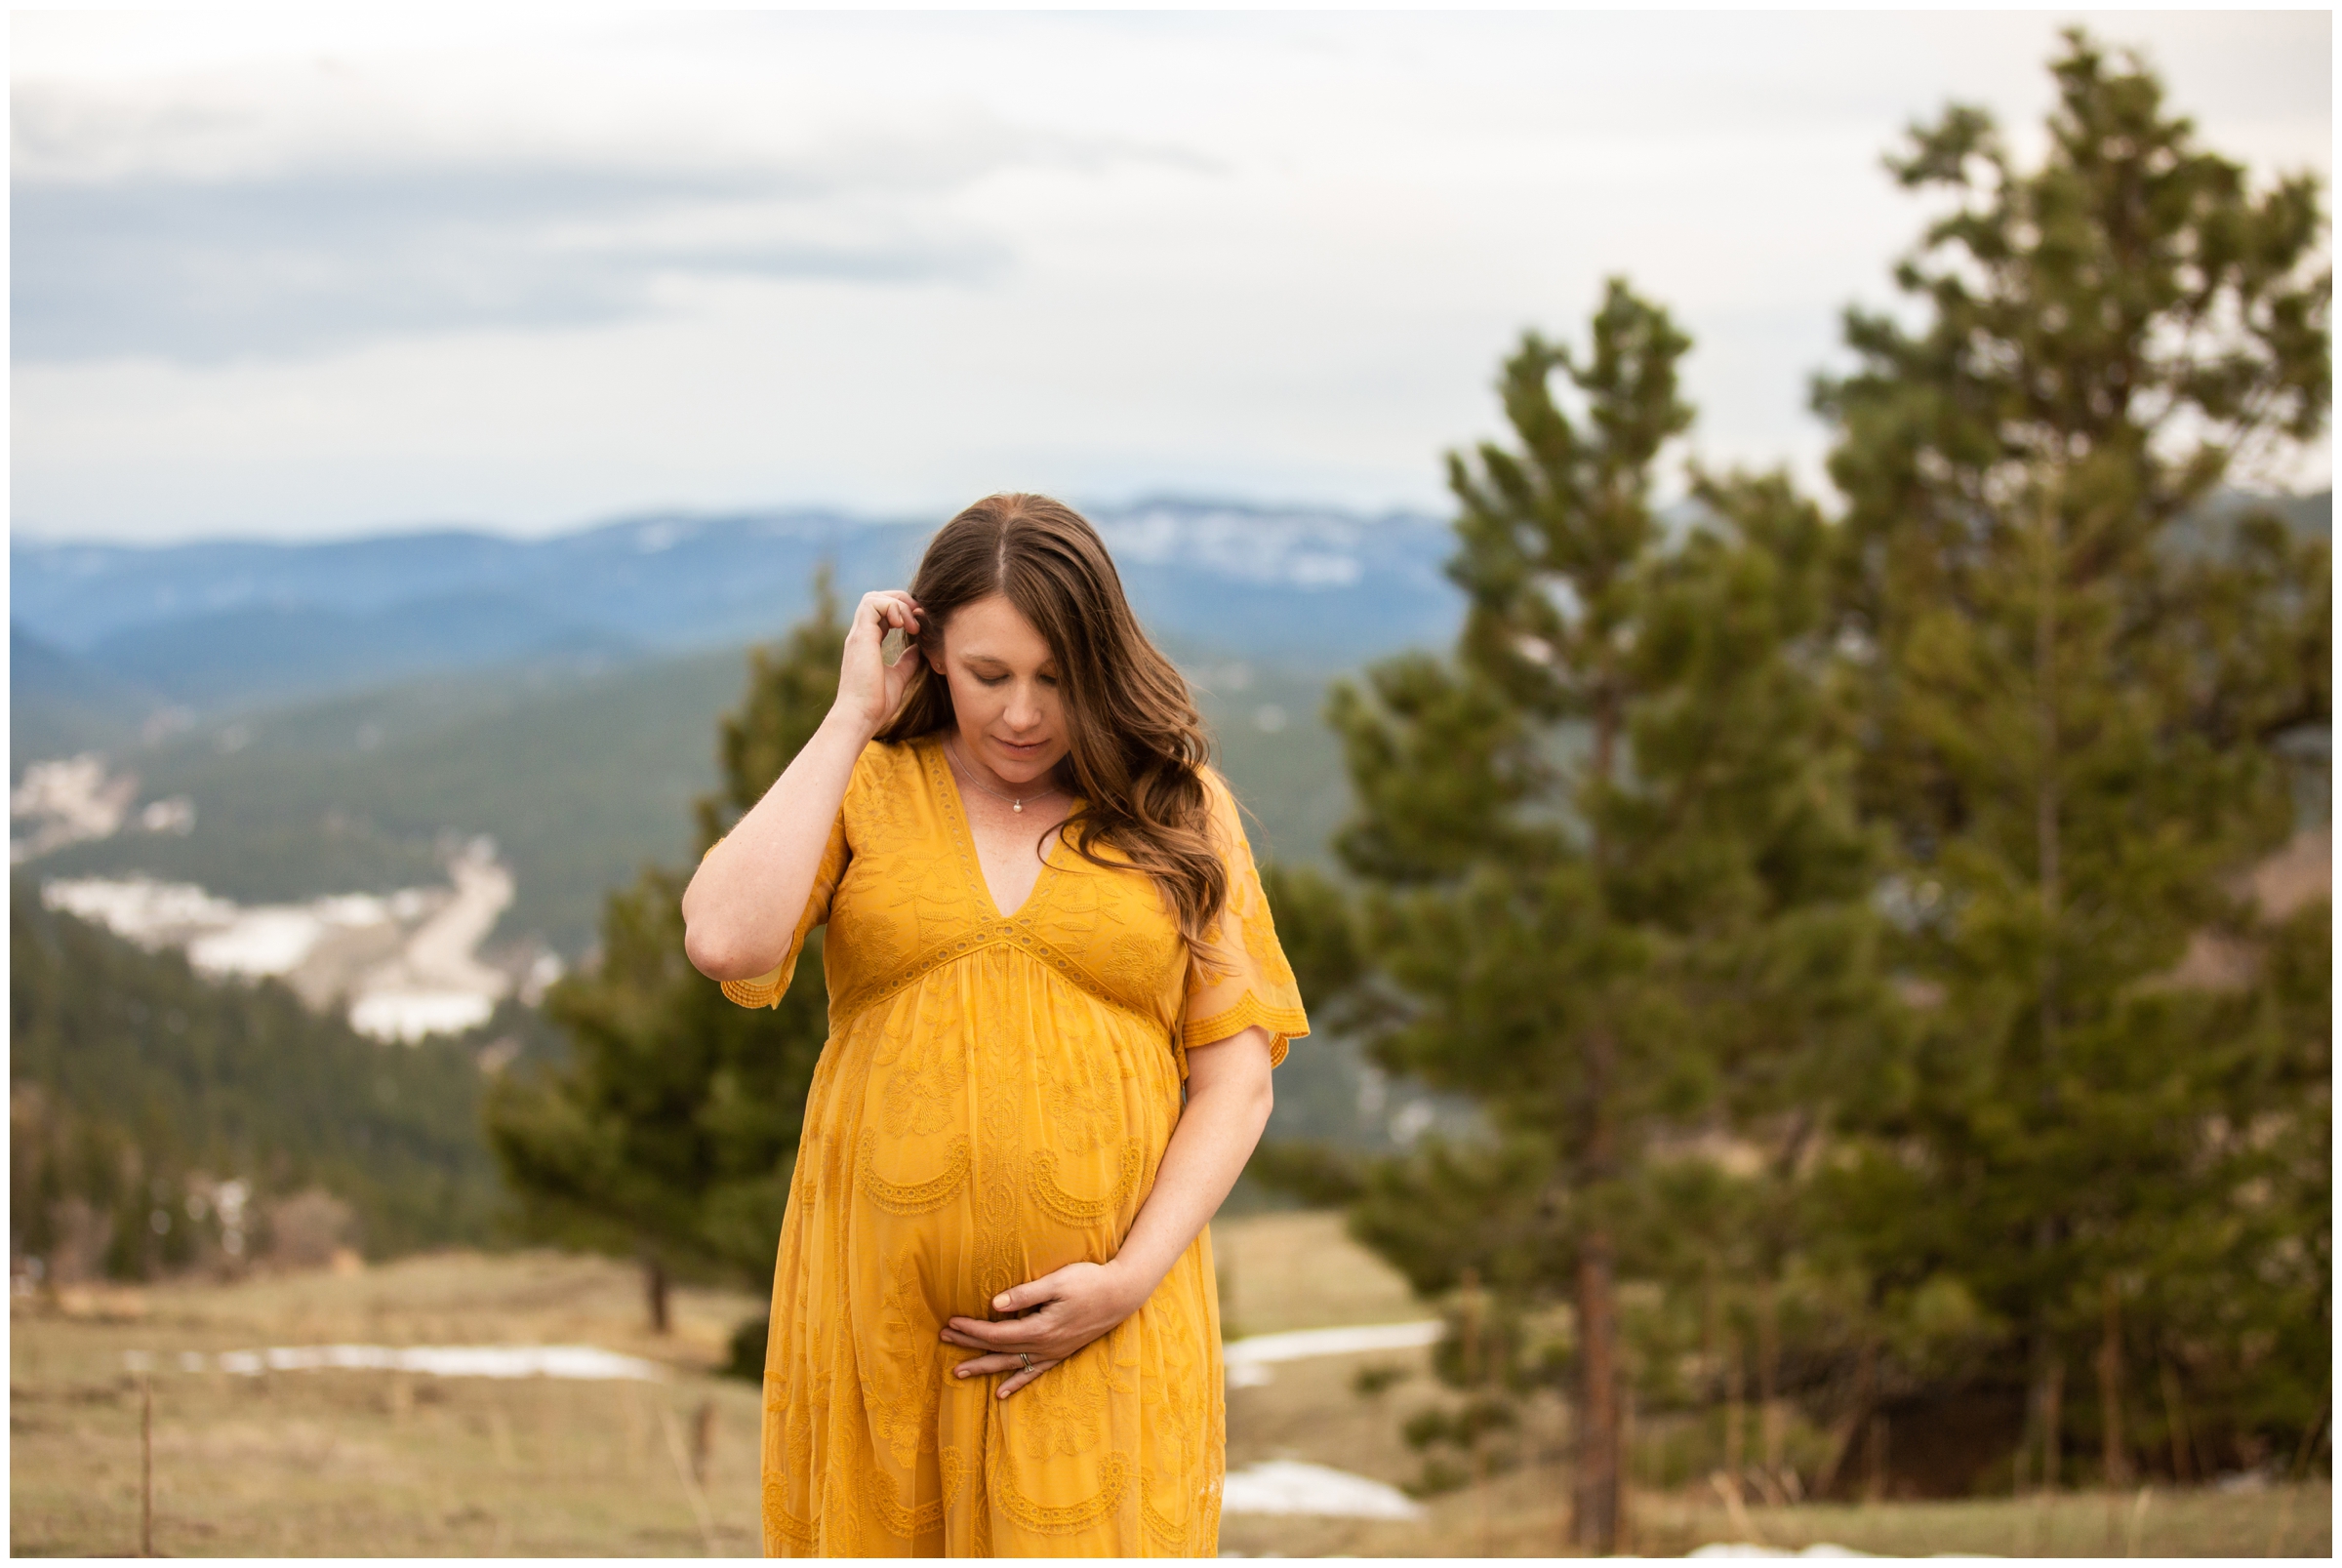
x=330, y=714
x=215, y=625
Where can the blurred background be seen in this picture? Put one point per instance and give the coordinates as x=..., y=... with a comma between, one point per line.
x=1764, y=578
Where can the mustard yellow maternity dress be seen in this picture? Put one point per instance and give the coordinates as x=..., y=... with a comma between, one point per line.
x=990, y=1106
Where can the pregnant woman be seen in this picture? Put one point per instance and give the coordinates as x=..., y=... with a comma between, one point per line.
x=1055, y=999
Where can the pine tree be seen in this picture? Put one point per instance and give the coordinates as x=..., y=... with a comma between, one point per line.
x=1615, y=865
x=2074, y=678
x=673, y=1130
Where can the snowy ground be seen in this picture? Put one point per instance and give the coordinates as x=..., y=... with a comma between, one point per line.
x=576, y=1361
x=1249, y=1360
x=71, y=800
x=1291, y=1486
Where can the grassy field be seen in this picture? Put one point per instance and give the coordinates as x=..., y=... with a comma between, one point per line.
x=374, y=1463
x=370, y=1463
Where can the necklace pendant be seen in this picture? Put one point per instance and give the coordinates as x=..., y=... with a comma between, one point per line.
x=1017, y=806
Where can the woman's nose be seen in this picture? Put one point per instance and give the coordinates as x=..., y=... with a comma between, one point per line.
x=1024, y=709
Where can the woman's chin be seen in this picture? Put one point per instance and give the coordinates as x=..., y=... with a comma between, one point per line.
x=1016, y=766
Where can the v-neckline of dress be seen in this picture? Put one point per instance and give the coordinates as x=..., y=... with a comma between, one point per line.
x=966, y=832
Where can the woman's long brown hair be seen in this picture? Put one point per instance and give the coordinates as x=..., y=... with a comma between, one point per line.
x=1136, y=742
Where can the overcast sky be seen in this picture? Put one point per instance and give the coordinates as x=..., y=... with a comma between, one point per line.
x=314, y=276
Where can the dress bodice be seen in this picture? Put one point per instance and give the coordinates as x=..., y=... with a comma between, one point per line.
x=903, y=893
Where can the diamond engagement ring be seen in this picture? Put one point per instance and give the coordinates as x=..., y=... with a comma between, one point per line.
x=1025, y=1356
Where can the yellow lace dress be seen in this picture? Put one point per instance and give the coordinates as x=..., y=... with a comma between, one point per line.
x=990, y=1106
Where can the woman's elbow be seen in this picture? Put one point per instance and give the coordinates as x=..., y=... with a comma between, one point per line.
x=702, y=948
x=715, y=954
x=1264, y=1095
x=1251, y=1095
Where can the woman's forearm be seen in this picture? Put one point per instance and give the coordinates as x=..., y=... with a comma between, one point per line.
x=744, y=902
x=1229, y=1099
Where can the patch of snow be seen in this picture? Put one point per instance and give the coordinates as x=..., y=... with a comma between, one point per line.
x=406, y=1017
x=435, y=985
x=68, y=801
x=1291, y=1486
x=543, y=971
x=1307, y=550
x=1744, y=1548
x=1302, y=1344
x=1248, y=1359
x=1323, y=570
x=148, y=912
x=663, y=534
x=578, y=1361
x=176, y=816
x=272, y=940
x=353, y=910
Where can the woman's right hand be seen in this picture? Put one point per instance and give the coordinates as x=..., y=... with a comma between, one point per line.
x=868, y=690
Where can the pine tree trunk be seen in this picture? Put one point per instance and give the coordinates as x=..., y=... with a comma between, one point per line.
x=1622, y=1537
x=1596, y=1516
x=1720, y=1350
x=2048, y=1404
x=2049, y=1367
x=2045, y=825
x=1850, y=1426
x=1735, y=1412
x=2109, y=1390
x=2175, y=1414
x=654, y=1290
x=1774, y=1417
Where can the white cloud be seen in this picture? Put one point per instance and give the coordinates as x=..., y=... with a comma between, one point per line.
x=329, y=274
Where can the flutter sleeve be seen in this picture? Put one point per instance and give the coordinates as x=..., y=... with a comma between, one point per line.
x=1240, y=977
x=765, y=990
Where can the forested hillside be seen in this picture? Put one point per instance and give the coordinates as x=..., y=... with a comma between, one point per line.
x=579, y=776
x=136, y=1085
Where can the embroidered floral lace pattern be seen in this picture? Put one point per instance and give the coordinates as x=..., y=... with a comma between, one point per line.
x=992, y=1103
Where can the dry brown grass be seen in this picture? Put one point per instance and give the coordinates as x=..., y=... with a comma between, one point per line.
x=1281, y=1271
x=368, y=1464
x=374, y=1463
x=1524, y=1516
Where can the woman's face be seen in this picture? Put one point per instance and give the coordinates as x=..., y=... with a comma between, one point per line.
x=1004, y=690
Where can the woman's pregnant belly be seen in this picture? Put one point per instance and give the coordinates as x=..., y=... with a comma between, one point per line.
x=984, y=1127
x=1002, y=1124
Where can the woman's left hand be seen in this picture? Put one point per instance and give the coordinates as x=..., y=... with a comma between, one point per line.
x=1057, y=1314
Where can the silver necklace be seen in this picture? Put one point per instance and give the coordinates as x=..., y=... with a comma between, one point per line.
x=1016, y=803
